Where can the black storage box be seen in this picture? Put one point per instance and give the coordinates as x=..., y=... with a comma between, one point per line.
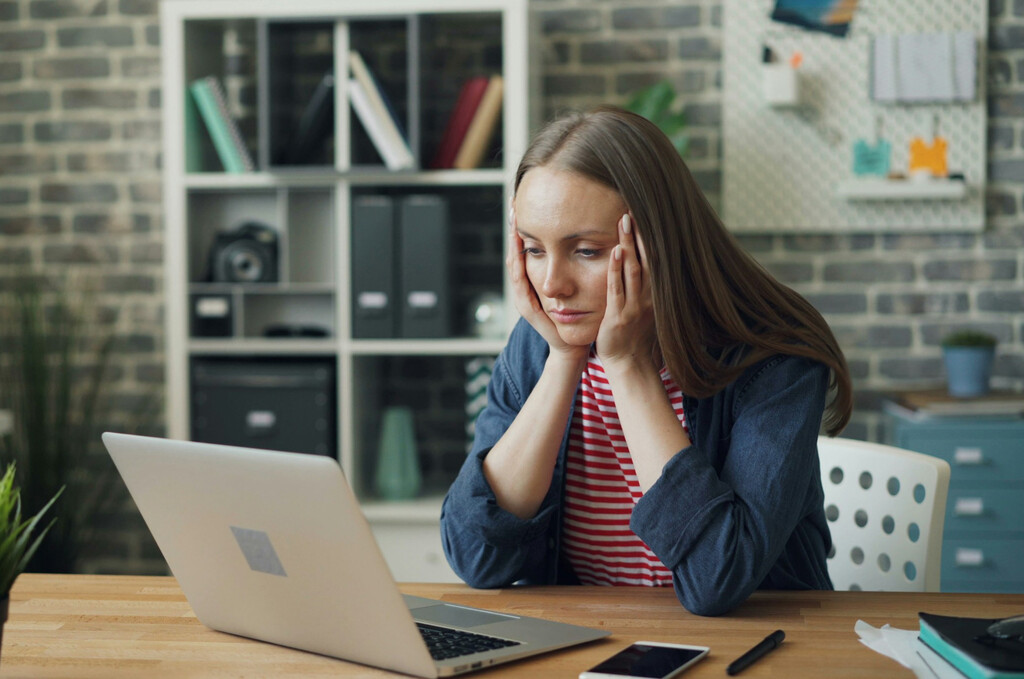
x=272, y=403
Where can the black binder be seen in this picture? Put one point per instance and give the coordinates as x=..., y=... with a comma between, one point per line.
x=374, y=313
x=423, y=263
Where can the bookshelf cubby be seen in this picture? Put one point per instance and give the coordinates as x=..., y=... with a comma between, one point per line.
x=285, y=72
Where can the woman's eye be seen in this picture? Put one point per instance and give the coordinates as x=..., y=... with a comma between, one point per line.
x=587, y=252
x=530, y=251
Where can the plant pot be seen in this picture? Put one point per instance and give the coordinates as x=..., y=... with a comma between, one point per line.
x=968, y=370
x=5, y=603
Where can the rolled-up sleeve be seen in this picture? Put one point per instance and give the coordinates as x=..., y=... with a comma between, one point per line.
x=721, y=528
x=486, y=545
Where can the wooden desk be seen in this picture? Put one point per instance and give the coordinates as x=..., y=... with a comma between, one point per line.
x=127, y=626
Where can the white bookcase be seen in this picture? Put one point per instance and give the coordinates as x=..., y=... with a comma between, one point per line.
x=422, y=50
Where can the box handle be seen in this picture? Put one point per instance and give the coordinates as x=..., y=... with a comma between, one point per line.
x=967, y=557
x=968, y=456
x=969, y=506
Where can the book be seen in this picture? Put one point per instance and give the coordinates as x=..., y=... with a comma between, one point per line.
x=194, y=136
x=209, y=98
x=372, y=123
x=938, y=403
x=387, y=126
x=315, y=126
x=470, y=94
x=482, y=127
x=963, y=643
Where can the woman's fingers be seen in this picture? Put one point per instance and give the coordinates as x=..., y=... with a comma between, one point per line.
x=632, y=271
x=526, y=302
x=645, y=267
x=627, y=280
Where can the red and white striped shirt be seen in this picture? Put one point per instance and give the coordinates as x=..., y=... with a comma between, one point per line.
x=601, y=489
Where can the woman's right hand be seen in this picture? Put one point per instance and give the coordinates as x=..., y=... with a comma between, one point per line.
x=525, y=297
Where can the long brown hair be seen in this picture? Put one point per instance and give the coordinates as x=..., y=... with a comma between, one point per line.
x=717, y=311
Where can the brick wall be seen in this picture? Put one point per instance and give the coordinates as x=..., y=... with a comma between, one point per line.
x=80, y=188
x=80, y=195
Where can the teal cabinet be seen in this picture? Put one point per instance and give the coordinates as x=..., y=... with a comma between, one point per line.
x=983, y=541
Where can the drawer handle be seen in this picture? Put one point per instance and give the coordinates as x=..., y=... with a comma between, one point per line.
x=969, y=506
x=970, y=558
x=968, y=456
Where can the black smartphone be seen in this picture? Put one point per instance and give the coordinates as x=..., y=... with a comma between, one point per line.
x=647, y=660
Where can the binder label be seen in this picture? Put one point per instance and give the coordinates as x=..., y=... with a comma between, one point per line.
x=372, y=300
x=422, y=299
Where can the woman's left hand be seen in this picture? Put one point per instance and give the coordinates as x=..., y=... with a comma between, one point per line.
x=627, y=330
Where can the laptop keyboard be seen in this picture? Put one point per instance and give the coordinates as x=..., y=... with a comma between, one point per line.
x=447, y=643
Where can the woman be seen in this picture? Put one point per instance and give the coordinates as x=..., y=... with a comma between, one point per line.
x=653, y=418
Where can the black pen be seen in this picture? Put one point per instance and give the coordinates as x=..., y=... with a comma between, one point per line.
x=771, y=642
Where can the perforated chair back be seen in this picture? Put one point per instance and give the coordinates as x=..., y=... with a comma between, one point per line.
x=886, y=509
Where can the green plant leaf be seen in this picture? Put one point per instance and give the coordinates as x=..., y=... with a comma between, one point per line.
x=16, y=537
x=969, y=338
x=656, y=104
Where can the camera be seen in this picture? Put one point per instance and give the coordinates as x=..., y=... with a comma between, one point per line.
x=247, y=254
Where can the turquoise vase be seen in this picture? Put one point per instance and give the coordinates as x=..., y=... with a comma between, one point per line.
x=398, y=466
x=968, y=370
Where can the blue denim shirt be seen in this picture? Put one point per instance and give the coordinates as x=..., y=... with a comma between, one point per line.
x=738, y=510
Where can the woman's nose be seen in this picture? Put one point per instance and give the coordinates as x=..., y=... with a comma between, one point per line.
x=557, y=280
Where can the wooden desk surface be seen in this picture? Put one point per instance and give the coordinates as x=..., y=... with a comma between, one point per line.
x=132, y=626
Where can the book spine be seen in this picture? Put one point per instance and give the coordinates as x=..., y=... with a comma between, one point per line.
x=480, y=131
x=193, y=135
x=461, y=116
x=361, y=104
x=237, y=142
x=387, y=123
x=315, y=124
x=227, y=138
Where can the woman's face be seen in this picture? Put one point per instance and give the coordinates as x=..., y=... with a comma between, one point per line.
x=569, y=226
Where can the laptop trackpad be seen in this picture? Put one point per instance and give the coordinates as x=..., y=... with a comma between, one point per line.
x=457, y=616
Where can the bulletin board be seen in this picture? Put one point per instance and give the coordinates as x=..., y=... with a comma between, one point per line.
x=788, y=169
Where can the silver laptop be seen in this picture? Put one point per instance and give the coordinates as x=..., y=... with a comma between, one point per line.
x=274, y=546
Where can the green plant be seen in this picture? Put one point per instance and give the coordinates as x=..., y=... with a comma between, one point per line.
x=52, y=377
x=16, y=536
x=969, y=338
x=656, y=103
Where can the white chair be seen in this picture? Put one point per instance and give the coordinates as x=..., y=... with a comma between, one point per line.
x=886, y=509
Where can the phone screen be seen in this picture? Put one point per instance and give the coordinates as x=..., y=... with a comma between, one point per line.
x=649, y=662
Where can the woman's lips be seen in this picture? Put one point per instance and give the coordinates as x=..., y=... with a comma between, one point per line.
x=567, y=315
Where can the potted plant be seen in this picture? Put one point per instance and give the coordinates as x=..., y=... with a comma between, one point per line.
x=54, y=356
x=19, y=539
x=656, y=103
x=968, y=355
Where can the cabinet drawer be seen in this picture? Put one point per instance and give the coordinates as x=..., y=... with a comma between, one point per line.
x=984, y=456
x=413, y=551
x=1012, y=587
x=973, y=510
x=986, y=562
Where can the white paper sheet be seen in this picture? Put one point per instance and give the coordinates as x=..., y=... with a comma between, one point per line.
x=904, y=647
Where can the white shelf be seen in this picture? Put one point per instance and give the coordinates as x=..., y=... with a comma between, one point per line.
x=902, y=189
x=259, y=346
x=325, y=176
x=311, y=208
x=468, y=346
x=282, y=288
